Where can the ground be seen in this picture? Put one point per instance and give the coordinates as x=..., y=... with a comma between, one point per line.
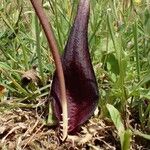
x=25, y=129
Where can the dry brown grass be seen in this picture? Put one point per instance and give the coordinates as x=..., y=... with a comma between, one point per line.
x=24, y=129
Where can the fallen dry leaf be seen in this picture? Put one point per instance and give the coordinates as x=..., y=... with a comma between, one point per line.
x=30, y=76
x=2, y=90
x=2, y=93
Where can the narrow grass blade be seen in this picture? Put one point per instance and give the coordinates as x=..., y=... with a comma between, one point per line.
x=145, y=136
x=38, y=49
x=135, y=36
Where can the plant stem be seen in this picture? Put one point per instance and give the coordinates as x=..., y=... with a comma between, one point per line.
x=54, y=50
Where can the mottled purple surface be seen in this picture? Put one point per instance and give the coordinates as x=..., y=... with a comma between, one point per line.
x=81, y=86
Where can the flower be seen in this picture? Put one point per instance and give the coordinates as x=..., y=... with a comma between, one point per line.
x=81, y=85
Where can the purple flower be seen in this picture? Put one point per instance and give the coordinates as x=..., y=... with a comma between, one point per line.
x=81, y=85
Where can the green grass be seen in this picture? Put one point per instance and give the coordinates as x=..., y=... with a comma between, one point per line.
x=119, y=41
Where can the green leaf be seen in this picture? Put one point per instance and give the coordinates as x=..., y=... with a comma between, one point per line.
x=113, y=62
x=125, y=135
x=116, y=118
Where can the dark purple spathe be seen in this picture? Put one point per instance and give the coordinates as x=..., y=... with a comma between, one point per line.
x=81, y=85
